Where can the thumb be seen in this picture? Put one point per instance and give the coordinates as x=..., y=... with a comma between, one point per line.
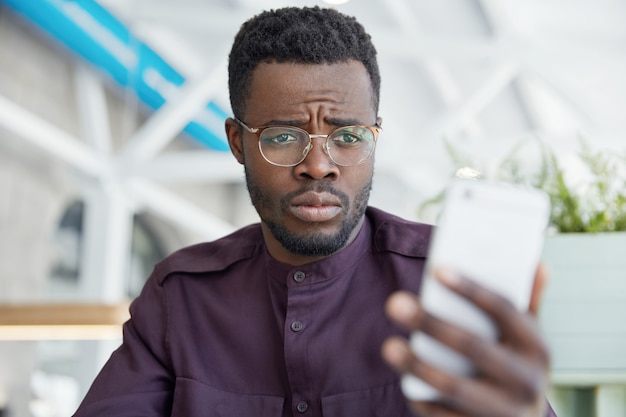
x=539, y=285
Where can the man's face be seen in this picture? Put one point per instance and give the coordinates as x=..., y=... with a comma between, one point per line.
x=315, y=208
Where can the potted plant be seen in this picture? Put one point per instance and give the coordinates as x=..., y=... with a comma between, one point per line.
x=591, y=201
x=584, y=309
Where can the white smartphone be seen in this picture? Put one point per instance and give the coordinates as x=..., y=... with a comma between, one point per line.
x=492, y=233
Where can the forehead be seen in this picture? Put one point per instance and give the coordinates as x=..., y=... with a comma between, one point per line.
x=289, y=89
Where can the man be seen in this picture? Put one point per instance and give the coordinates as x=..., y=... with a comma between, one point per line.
x=287, y=317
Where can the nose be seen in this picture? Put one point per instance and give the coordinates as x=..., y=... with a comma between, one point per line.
x=317, y=164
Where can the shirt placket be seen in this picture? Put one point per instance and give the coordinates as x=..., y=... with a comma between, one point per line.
x=297, y=322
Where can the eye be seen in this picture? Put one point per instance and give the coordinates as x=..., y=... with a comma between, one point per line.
x=347, y=137
x=274, y=136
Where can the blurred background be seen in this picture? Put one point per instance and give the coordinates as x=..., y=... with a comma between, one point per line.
x=113, y=153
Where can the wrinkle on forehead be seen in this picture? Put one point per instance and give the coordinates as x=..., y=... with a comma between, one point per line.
x=310, y=93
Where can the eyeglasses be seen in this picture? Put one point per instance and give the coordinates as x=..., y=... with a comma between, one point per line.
x=287, y=146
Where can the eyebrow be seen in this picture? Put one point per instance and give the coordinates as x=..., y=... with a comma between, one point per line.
x=334, y=121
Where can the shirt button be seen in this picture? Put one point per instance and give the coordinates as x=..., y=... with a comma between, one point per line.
x=299, y=276
x=296, y=326
x=302, y=406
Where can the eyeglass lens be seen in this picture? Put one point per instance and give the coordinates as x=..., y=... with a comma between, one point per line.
x=347, y=146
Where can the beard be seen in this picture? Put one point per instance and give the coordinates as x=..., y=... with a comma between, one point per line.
x=313, y=243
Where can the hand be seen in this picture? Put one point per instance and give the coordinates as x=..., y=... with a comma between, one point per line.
x=512, y=373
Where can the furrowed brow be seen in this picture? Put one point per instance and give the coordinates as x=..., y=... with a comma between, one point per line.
x=337, y=121
x=295, y=123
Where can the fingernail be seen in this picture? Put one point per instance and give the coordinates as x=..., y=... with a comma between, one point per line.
x=448, y=277
x=406, y=306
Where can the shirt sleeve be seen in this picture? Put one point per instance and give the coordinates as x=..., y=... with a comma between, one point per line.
x=137, y=379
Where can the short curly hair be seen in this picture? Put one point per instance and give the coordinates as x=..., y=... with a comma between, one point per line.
x=309, y=35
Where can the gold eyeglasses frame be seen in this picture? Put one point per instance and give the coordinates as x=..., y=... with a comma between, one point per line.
x=376, y=129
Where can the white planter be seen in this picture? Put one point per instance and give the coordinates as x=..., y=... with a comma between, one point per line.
x=583, y=312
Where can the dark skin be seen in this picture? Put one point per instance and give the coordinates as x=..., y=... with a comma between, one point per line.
x=512, y=375
x=512, y=372
x=318, y=99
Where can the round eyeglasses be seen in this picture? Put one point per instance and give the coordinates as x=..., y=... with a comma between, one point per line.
x=287, y=146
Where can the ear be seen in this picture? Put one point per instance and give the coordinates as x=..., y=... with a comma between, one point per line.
x=235, y=139
x=379, y=121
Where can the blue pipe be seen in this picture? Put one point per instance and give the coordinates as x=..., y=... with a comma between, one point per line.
x=89, y=30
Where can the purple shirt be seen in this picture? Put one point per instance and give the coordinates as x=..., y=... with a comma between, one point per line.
x=223, y=329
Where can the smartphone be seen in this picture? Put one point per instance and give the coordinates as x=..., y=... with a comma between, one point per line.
x=492, y=233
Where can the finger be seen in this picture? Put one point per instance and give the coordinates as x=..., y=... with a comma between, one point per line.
x=403, y=308
x=519, y=329
x=474, y=397
x=502, y=365
x=539, y=285
x=490, y=359
x=397, y=352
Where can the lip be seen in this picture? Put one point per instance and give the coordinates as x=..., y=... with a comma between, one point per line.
x=315, y=207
